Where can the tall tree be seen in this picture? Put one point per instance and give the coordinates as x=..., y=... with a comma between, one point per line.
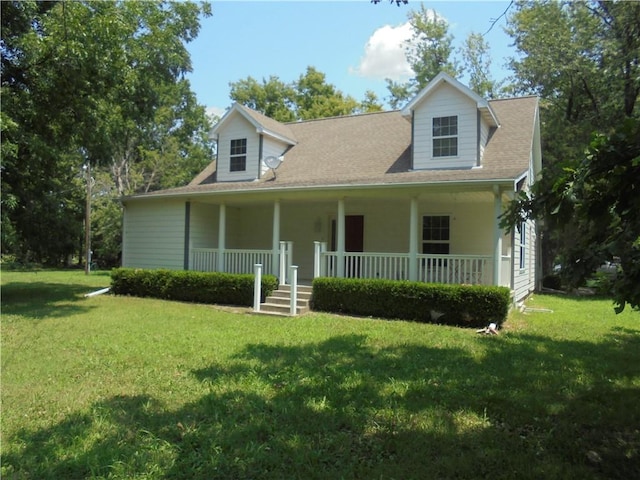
x=429, y=52
x=477, y=63
x=315, y=98
x=430, y=49
x=370, y=103
x=81, y=81
x=582, y=58
x=310, y=96
x=272, y=97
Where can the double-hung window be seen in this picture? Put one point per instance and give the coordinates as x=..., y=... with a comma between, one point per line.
x=238, y=155
x=436, y=234
x=445, y=136
x=523, y=244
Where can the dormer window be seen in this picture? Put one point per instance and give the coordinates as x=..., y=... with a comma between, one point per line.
x=238, y=155
x=445, y=136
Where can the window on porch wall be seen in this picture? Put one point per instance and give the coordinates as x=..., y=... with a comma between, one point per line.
x=436, y=235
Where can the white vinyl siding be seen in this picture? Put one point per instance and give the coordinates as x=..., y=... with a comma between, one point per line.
x=238, y=128
x=270, y=148
x=154, y=234
x=445, y=101
x=524, y=278
x=204, y=225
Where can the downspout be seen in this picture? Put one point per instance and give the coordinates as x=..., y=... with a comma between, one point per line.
x=413, y=122
x=478, y=137
x=187, y=223
x=260, y=147
x=124, y=236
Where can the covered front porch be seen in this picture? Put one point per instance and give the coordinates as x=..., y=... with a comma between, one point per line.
x=375, y=234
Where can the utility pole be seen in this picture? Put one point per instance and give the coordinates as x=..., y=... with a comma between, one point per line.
x=87, y=221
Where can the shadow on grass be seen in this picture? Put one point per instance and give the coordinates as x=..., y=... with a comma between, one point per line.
x=37, y=300
x=529, y=408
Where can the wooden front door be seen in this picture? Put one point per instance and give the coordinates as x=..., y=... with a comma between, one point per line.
x=354, y=233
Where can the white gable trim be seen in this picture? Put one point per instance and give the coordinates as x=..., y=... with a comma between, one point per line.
x=442, y=77
x=269, y=133
x=260, y=129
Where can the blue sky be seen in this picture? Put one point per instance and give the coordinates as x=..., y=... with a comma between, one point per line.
x=355, y=43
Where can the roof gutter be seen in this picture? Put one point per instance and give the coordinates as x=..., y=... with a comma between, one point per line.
x=509, y=182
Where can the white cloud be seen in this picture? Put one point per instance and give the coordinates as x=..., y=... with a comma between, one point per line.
x=213, y=112
x=384, y=54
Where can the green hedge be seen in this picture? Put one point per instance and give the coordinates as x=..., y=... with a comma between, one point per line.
x=187, y=286
x=461, y=305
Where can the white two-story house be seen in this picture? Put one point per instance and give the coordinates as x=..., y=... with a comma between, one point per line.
x=412, y=194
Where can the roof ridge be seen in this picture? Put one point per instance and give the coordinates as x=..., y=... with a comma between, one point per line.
x=351, y=115
x=522, y=97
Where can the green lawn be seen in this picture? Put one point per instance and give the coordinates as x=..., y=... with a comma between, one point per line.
x=113, y=387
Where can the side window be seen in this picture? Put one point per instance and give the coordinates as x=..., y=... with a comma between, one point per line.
x=523, y=244
x=436, y=234
x=238, y=155
x=445, y=136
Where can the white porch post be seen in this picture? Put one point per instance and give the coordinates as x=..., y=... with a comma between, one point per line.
x=293, y=274
x=282, y=275
x=497, y=235
x=340, y=234
x=275, y=243
x=316, y=258
x=413, y=240
x=257, y=285
x=222, y=233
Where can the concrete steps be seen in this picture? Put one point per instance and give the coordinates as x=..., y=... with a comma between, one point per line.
x=279, y=302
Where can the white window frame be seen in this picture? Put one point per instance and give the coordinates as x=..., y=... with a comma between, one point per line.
x=522, y=244
x=446, y=134
x=238, y=153
x=436, y=241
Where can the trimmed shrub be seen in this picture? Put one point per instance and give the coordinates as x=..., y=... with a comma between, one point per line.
x=460, y=305
x=187, y=286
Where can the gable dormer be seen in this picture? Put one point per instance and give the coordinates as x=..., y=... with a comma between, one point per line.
x=450, y=125
x=245, y=138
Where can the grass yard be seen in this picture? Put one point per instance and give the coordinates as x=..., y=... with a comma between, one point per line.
x=113, y=387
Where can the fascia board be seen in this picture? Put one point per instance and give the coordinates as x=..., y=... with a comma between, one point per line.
x=441, y=78
x=505, y=182
x=282, y=138
x=235, y=108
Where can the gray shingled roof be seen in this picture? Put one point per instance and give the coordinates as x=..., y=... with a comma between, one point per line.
x=269, y=124
x=374, y=149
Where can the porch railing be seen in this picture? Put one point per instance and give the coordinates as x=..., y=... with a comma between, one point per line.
x=242, y=261
x=235, y=260
x=460, y=269
x=203, y=259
